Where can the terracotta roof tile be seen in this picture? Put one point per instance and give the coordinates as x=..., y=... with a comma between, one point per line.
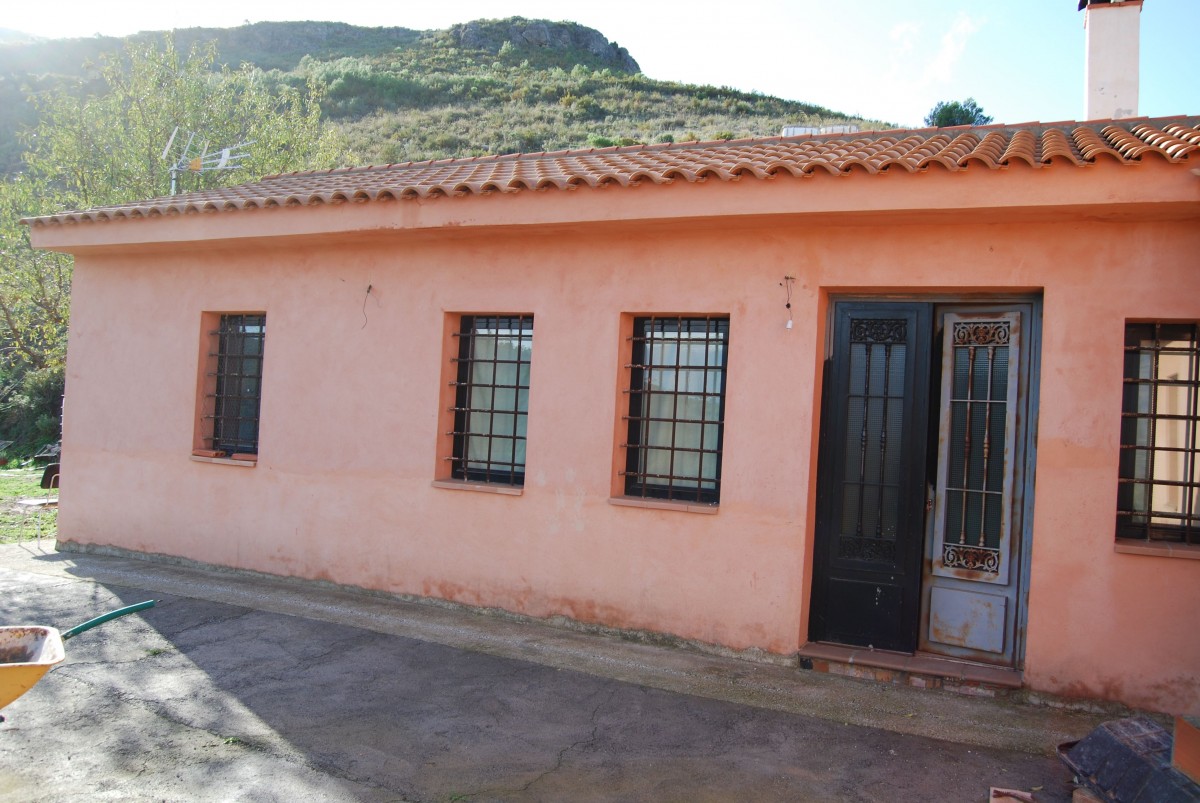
x=955, y=149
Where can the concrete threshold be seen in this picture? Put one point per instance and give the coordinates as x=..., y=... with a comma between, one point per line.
x=1005, y=723
x=918, y=670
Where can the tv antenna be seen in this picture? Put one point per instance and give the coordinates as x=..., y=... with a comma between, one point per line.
x=202, y=160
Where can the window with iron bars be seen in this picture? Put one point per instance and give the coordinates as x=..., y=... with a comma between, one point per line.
x=238, y=387
x=676, y=408
x=492, y=398
x=1158, y=495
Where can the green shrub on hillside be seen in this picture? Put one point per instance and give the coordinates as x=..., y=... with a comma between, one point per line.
x=397, y=94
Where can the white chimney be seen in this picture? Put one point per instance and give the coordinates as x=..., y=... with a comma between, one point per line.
x=1112, y=58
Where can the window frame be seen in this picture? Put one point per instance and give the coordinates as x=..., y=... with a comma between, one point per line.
x=224, y=357
x=694, y=487
x=466, y=408
x=1139, y=518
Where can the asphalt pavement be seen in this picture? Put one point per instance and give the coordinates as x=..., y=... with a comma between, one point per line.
x=244, y=687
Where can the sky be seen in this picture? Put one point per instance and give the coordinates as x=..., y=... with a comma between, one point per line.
x=891, y=60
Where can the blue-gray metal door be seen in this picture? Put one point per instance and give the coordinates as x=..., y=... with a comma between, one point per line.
x=971, y=583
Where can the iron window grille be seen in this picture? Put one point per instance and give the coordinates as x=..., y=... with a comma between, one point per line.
x=676, y=408
x=1158, y=495
x=239, y=365
x=492, y=398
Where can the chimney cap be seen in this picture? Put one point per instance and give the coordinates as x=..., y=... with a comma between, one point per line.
x=1085, y=3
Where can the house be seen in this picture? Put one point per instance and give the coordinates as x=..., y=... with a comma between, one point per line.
x=913, y=404
x=917, y=400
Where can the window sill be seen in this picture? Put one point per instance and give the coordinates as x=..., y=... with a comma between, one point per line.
x=463, y=485
x=247, y=461
x=663, y=504
x=1161, y=549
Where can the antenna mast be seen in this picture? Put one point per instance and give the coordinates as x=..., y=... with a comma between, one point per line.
x=202, y=160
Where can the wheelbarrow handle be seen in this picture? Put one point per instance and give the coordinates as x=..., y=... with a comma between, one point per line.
x=99, y=620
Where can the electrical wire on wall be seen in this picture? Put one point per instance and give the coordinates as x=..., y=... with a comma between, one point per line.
x=367, y=295
x=787, y=285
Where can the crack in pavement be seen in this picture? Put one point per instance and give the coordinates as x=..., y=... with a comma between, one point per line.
x=560, y=759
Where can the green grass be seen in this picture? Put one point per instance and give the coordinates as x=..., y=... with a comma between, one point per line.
x=16, y=522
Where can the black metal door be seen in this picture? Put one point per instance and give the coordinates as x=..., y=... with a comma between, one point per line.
x=872, y=475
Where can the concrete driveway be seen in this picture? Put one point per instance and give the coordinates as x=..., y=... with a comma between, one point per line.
x=239, y=687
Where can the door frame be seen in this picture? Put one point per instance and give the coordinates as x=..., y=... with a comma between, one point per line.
x=1027, y=435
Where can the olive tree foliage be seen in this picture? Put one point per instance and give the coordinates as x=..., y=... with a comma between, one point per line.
x=93, y=148
x=951, y=113
x=34, y=296
x=35, y=286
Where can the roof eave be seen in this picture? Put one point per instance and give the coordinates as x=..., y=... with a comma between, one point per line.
x=1103, y=189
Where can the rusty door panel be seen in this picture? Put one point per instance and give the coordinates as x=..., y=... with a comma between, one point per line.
x=968, y=619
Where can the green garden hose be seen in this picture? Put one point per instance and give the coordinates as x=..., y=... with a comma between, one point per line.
x=99, y=620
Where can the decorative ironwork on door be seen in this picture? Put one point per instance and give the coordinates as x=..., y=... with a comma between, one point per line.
x=874, y=419
x=976, y=447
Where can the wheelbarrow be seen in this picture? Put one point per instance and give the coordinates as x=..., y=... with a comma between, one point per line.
x=27, y=653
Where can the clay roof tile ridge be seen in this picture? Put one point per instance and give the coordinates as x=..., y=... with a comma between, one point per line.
x=1125, y=141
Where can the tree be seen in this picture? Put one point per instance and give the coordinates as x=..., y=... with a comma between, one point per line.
x=106, y=147
x=34, y=285
x=950, y=113
x=34, y=293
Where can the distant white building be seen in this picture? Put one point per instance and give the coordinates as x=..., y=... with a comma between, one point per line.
x=801, y=131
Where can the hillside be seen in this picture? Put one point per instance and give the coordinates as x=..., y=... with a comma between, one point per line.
x=489, y=86
x=9, y=36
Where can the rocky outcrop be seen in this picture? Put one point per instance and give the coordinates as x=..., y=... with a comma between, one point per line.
x=528, y=34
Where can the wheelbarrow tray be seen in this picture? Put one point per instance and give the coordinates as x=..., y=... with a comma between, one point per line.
x=26, y=653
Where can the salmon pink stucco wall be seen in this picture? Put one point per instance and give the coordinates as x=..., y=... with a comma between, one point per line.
x=346, y=486
x=1101, y=623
